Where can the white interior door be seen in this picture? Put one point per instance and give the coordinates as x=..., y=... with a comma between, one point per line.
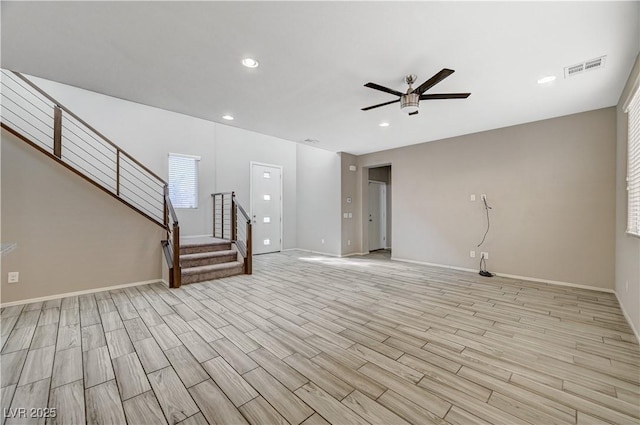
x=377, y=215
x=266, y=208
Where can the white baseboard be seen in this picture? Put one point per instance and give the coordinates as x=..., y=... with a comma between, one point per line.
x=559, y=283
x=326, y=253
x=353, y=254
x=84, y=292
x=314, y=252
x=424, y=263
x=626, y=316
x=512, y=276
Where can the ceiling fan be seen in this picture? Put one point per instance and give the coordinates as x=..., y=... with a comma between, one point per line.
x=410, y=100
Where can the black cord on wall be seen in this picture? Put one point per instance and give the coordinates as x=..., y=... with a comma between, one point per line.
x=483, y=262
x=487, y=208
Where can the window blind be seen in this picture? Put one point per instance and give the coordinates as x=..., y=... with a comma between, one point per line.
x=183, y=180
x=633, y=166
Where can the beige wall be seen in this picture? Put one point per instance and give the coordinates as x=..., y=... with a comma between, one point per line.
x=318, y=200
x=70, y=235
x=551, y=185
x=627, y=247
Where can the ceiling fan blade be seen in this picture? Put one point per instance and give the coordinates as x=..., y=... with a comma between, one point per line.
x=382, y=88
x=445, y=96
x=381, y=104
x=414, y=113
x=433, y=80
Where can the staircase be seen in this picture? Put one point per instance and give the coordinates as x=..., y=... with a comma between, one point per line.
x=208, y=260
x=45, y=124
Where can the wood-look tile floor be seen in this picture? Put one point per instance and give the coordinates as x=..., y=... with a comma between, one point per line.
x=309, y=340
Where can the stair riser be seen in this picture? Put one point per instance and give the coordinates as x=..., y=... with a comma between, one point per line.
x=204, y=248
x=196, y=262
x=217, y=274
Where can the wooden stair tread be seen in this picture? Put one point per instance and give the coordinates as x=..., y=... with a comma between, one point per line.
x=207, y=254
x=203, y=243
x=204, y=247
x=210, y=268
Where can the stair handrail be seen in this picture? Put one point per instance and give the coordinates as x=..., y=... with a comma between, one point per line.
x=53, y=147
x=89, y=126
x=238, y=234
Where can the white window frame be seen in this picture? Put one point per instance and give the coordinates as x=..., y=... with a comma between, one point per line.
x=190, y=203
x=632, y=108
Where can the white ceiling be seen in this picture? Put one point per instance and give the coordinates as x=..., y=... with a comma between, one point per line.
x=316, y=56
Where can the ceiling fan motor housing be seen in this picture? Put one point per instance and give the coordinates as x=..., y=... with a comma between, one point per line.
x=410, y=79
x=409, y=102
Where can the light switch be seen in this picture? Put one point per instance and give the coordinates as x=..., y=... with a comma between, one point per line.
x=472, y=198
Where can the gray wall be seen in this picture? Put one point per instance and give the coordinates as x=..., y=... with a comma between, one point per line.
x=551, y=185
x=627, y=246
x=235, y=149
x=149, y=135
x=70, y=235
x=350, y=183
x=132, y=251
x=319, y=212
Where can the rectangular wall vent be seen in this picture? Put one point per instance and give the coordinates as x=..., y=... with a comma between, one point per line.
x=589, y=65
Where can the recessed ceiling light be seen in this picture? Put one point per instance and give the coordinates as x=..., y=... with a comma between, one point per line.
x=227, y=117
x=547, y=79
x=250, y=63
x=384, y=124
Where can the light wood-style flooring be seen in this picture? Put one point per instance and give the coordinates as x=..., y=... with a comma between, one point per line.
x=312, y=340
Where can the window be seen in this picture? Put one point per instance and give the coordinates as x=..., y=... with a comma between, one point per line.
x=183, y=180
x=633, y=166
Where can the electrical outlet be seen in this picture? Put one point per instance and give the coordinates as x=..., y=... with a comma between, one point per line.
x=485, y=255
x=348, y=241
x=14, y=277
x=472, y=198
x=472, y=254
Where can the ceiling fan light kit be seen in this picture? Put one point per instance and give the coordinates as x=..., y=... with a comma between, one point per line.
x=410, y=101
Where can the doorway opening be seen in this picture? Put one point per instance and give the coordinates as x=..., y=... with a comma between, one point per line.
x=379, y=209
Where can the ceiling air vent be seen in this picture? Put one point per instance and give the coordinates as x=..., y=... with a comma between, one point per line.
x=589, y=65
